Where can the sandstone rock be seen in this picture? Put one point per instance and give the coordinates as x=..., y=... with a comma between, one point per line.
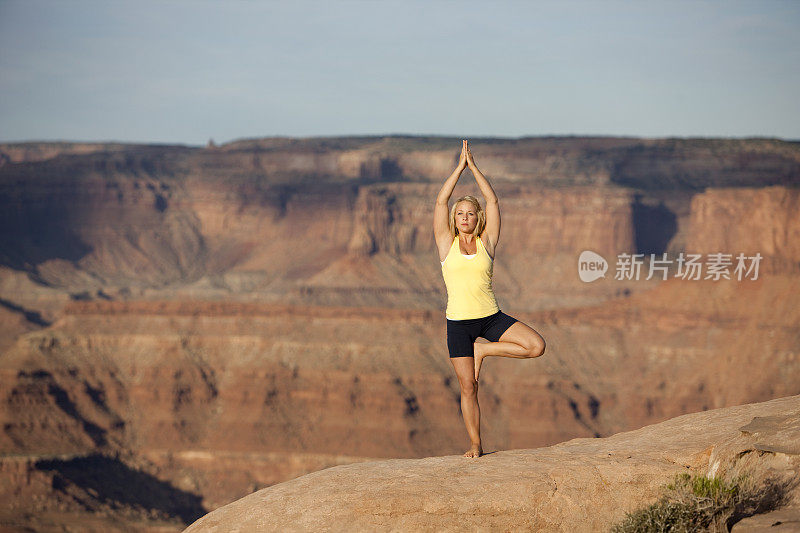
x=579, y=485
x=130, y=270
x=782, y=521
x=225, y=397
x=100, y=215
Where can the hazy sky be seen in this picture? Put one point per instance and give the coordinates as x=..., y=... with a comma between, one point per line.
x=184, y=72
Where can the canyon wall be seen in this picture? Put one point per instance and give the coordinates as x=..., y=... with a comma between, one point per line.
x=216, y=320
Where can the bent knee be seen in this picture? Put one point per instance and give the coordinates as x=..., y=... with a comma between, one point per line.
x=537, y=348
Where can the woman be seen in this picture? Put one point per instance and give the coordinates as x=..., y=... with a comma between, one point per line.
x=466, y=241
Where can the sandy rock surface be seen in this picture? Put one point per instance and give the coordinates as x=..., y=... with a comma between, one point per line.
x=780, y=521
x=580, y=485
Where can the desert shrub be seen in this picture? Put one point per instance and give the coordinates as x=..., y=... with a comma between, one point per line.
x=696, y=503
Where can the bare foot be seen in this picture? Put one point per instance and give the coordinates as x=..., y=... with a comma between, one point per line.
x=479, y=355
x=475, y=451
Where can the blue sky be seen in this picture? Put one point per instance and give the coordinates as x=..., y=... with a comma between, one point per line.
x=186, y=71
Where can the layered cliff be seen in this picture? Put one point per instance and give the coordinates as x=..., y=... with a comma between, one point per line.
x=223, y=319
x=284, y=219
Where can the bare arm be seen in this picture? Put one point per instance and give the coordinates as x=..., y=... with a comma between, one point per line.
x=492, y=229
x=441, y=226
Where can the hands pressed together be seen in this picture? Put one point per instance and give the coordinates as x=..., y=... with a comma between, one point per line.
x=466, y=157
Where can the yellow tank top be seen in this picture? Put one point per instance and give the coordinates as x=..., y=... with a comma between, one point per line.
x=469, y=283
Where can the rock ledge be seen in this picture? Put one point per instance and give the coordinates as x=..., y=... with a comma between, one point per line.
x=579, y=485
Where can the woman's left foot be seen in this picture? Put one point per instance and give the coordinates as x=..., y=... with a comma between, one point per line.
x=475, y=451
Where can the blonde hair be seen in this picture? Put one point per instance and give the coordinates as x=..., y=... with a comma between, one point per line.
x=478, y=211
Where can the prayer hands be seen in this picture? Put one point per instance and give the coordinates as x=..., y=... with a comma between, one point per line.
x=462, y=162
x=470, y=162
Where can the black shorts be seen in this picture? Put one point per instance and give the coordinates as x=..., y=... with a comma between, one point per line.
x=461, y=334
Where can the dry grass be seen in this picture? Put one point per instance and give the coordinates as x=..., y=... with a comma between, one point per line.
x=702, y=504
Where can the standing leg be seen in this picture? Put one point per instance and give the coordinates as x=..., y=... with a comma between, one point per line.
x=519, y=341
x=470, y=410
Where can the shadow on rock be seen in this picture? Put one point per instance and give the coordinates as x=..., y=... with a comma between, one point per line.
x=773, y=493
x=96, y=481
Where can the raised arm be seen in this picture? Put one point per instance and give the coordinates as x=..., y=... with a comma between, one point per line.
x=492, y=229
x=441, y=225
